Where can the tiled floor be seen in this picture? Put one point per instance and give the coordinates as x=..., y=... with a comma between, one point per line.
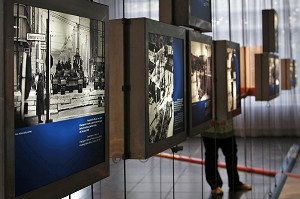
x=153, y=178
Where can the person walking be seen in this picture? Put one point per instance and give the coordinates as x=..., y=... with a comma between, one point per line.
x=40, y=98
x=221, y=136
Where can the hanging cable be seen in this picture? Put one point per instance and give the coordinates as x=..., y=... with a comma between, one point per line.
x=126, y=98
x=173, y=176
x=92, y=191
x=160, y=177
x=202, y=169
x=100, y=189
x=263, y=152
x=269, y=144
x=229, y=19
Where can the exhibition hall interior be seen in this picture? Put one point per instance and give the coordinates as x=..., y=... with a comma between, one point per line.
x=149, y=99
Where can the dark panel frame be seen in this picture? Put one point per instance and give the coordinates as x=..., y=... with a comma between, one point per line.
x=287, y=76
x=81, y=179
x=221, y=95
x=116, y=73
x=270, y=31
x=295, y=73
x=178, y=12
x=139, y=29
x=197, y=37
x=262, y=77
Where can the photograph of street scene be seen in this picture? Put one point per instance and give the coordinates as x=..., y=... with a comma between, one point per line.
x=273, y=76
x=201, y=82
x=201, y=72
x=161, y=87
x=232, y=80
x=76, y=66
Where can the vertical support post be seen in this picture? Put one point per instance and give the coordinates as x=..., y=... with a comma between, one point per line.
x=48, y=65
x=2, y=131
x=229, y=19
x=126, y=90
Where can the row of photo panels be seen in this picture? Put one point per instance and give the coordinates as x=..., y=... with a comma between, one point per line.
x=180, y=80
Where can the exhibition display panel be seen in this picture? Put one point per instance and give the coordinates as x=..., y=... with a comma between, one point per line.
x=295, y=73
x=270, y=30
x=56, y=64
x=199, y=81
x=195, y=14
x=247, y=59
x=156, y=76
x=266, y=76
x=287, y=74
x=227, y=86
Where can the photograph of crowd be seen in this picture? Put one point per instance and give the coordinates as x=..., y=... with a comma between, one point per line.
x=161, y=87
x=76, y=66
x=201, y=72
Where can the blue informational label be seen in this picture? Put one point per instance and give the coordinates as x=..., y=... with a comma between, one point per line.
x=201, y=112
x=201, y=9
x=50, y=152
x=178, y=85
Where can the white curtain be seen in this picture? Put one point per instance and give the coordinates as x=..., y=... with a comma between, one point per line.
x=258, y=118
x=133, y=8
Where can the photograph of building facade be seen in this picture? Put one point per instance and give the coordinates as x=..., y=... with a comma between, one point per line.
x=76, y=66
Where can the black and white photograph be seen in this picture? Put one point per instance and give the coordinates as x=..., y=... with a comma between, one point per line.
x=76, y=67
x=231, y=79
x=276, y=24
x=161, y=87
x=274, y=76
x=201, y=72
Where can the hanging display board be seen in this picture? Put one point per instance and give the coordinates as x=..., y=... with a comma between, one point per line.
x=287, y=74
x=247, y=58
x=294, y=73
x=56, y=116
x=190, y=13
x=199, y=78
x=227, y=87
x=270, y=30
x=266, y=76
x=157, y=112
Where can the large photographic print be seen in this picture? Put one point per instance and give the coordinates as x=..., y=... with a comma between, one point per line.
x=201, y=82
x=166, y=106
x=59, y=115
x=233, y=80
x=76, y=68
